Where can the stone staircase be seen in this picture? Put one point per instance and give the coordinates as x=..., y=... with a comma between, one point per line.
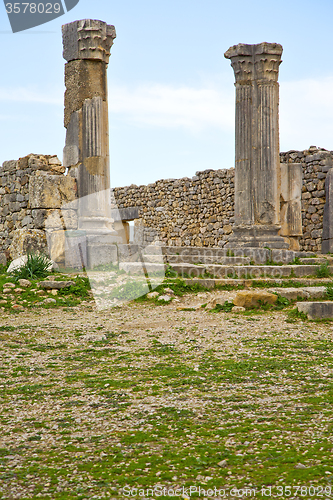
x=216, y=263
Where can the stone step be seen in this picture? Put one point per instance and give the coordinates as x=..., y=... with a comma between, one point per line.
x=316, y=260
x=137, y=268
x=194, y=259
x=316, y=310
x=250, y=272
x=316, y=292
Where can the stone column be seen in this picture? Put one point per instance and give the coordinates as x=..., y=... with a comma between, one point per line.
x=257, y=208
x=87, y=45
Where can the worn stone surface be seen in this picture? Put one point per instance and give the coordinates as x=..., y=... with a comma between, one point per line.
x=291, y=203
x=251, y=298
x=51, y=191
x=55, y=285
x=28, y=241
x=257, y=207
x=327, y=235
x=316, y=310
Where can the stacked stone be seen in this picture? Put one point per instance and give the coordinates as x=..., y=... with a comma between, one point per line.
x=184, y=212
x=15, y=211
x=315, y=163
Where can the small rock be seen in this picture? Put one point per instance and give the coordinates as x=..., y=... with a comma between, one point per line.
x=55, y=285
x=252, y=298
x=3, y=301
x=17, y=307
x=7, y=290
x=223, y=463
x=300, y=466
x=168, y=290
x=166, y=298
x=9, y=285
x=40, y=292
x=54, y=292
x=238, y=309
x=152, y=295
x=49, y=301
x=18, y=290
x=24, y=283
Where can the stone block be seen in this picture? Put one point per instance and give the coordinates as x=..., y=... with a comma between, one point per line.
x=51, y=191
x=3, y=259
x=55, y=285
x=251, y=298
x=28, y=241
x=316, y=310
x=327, y=235
x=56, y=244
x=75, y=249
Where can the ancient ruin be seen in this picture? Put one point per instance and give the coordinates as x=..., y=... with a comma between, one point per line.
x=270, y=200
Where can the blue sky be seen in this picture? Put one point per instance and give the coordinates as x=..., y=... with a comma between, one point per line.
x=171, y=92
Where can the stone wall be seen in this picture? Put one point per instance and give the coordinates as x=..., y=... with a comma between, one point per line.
x=184, y=212
x=316, y=162
x=199, y=211
x=38, y=202
x=34, y=195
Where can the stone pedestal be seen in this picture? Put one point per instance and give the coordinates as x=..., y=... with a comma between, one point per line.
x=327, y=243
x=87, y=45
x=290, y=203
x=257, y=209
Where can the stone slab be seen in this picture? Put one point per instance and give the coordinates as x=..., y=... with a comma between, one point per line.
x=316, y=310
x=304, y=292
x=137, y=268
x=55, y=285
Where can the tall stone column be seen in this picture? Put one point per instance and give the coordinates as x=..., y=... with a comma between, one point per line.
x=257, y=206
x=86, y=48
x=87, y=45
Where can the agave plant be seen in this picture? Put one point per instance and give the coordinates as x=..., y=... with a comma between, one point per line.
x=36, y=266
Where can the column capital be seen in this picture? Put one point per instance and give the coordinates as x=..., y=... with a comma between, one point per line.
x=87, y=39
x=255, y=62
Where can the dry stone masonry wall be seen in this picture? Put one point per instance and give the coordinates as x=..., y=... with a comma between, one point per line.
x=184, y=212
x=200, y=211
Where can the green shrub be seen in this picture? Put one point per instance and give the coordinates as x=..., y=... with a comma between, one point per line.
x=36, y=267
x=323, y=271
x=226, y=307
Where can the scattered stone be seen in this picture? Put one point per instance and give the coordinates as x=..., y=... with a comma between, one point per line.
x=7, y=290
x=40, y=292
x=165, y=298
x=24, y=283
x=223, y=463
x=300, y=466
x=3, y=302
x=18, y=290
x=238, y=309
x=55, y=285
x=168, y=290
x=17, y=307
x=152, y=295
x=9, y=285
x=251, y=298
x=49, y=301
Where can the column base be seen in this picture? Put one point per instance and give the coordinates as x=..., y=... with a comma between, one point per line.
x=256, y=236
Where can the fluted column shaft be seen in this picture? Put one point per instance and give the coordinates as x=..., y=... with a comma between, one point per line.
x=257, y=210
x=87, y=46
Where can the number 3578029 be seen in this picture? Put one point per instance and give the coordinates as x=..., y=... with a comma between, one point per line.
x=33, y=8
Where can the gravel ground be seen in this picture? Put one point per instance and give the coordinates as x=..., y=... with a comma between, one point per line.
x=94, y=402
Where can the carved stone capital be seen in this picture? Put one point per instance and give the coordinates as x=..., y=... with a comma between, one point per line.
x=255, y=62
x=87, y=39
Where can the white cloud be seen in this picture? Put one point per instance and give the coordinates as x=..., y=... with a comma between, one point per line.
x=306, y=108
x=24, y=94
x=306, y=113
x=167, y=106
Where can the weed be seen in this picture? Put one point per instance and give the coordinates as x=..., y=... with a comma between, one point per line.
x=226, y=307
x=37, y=266
x=329, y=291
x=296, y=261
x=323, y=270
x=296, y=314
x=80, y=289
